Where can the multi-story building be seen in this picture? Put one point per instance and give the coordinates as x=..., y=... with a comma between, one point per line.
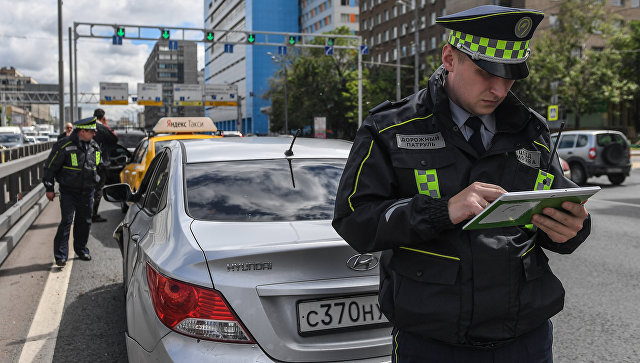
x=388, y=28
x=247, y=66
x=169, y=65
x=12, y=80
x=319, y=16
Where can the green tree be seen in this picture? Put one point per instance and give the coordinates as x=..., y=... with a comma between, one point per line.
x=587, y=77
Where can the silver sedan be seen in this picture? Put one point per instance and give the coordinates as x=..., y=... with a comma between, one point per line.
x=229, y=256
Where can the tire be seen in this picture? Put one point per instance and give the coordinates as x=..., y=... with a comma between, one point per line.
x=614, y=154
x=616, y=179
x=578, y=174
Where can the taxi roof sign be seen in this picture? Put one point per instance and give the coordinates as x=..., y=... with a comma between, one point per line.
x=167, y=125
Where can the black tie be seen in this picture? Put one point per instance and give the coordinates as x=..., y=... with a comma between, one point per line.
x=476, y=139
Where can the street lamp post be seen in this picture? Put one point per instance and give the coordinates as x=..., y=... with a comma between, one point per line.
x=280, y=60
x=416, y=40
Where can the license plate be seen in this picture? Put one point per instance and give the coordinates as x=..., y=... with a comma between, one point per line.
x=339, y=313
x=614, y=170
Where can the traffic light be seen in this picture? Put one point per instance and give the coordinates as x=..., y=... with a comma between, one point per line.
x=292, y=39
x=165, y=34
x=331, y=41
x=251, y=38
x=209, y=36
x=120, y=32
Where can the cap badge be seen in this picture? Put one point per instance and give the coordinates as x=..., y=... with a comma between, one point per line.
x=523, y=27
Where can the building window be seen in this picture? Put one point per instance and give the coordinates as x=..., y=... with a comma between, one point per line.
x=553, y=20
x=379, y=57
x=344, y=2
x=423, y=46
x=371, y=42
x=433, y=19
x=576, y=52
x=386, y=15
x=379, y=38
x=433, y=42
x=364, y=6
x=386, y=56
x=634, y=3
x=617, y=2
x=395, y=31
x=423, y=22
x=395, y=11
x=404, y=29
x=423, y=3
x=386, y=35
x=395, y=53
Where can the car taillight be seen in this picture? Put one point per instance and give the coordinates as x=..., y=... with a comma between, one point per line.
x=592, y=153
x=193, y=310
x=565, y=165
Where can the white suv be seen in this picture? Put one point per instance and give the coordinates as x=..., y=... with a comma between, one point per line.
x=595, y=153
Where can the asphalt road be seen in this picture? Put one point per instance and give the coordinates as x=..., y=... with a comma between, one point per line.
x=600, y=321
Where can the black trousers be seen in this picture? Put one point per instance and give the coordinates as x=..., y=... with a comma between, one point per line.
x=80, y=205
x=533, y=347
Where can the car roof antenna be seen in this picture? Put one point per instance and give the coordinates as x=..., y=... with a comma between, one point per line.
x=290, y=151
x=555, y=146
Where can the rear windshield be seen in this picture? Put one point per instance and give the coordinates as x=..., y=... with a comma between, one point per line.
x=606, y=139
x=10, y=137
x=263, y=190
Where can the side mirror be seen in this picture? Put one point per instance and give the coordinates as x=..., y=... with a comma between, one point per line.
x=122, y=159
x=117, y=193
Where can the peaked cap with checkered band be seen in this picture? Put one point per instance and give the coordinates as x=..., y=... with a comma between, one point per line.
x=496, y=38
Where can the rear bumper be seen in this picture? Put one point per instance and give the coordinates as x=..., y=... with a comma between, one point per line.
x=175, y=347
x=598, y=170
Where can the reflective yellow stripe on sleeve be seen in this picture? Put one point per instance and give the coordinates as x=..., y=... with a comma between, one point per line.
x=355, y=187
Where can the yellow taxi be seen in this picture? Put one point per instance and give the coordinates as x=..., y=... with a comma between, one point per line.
x=166, y=130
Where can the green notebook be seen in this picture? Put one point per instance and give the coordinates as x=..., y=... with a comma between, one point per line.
x=517, y=208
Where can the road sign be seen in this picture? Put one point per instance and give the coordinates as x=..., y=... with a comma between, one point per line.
x=552, y=113
x=220, y=95
x=228, y=48
x=117, y=40
x=328, y=50
x=187, y=95
x=282, y=50
x=364, y=49
x=150, y=94
x=114, y=93
x=173, y=45
x=320, y=127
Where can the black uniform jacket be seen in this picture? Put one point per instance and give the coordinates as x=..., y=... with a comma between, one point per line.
x=479, y=287
x=73, y=166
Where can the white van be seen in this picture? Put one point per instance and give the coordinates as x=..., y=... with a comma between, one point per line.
x=11, y=136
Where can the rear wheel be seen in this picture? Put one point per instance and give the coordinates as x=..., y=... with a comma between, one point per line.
x=616, y=179
x=578, y=174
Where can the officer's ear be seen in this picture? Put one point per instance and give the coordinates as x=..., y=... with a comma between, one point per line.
x=448, y=57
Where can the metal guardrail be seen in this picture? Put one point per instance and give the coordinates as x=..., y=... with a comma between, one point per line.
x=21, y=170
x=22, y=192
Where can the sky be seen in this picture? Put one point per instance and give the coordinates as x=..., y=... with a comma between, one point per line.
x=29, y=41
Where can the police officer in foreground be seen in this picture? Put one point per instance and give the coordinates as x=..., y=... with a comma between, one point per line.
x=73, y=164
x=421, y=167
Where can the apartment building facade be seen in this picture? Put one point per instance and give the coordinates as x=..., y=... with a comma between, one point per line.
x=320, y=16
x=171, y=62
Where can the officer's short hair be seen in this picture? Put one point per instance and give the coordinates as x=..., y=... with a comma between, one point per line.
x=98, y=113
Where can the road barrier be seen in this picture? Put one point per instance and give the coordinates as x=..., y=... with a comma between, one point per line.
x=22, y=194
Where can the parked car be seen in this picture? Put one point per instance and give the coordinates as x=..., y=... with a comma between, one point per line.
x=119, y=156
x=565, y=168
x=12, y=136
x=229, y=256
x=166, y=129
x=130, y=138
x=31, y=139
x=595, y=153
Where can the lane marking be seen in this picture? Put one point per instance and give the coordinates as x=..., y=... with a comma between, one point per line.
x=613, y=202
x=40, y=343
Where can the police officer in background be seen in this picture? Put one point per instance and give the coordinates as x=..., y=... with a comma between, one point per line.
x=419, y=168
x=107, y=140
x=73, y=164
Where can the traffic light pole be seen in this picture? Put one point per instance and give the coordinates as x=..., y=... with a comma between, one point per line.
x=202, y=35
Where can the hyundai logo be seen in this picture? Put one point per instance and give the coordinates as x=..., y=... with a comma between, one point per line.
x=363, y=262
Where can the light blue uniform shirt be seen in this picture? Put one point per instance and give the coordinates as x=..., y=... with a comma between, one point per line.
x=487, y=131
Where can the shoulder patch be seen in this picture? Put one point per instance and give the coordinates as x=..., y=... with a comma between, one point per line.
x=71, y=148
